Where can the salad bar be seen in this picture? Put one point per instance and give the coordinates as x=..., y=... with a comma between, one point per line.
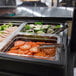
x=34, y=45
x=34, y=41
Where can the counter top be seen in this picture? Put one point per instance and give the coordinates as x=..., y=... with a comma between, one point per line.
x=63, y=12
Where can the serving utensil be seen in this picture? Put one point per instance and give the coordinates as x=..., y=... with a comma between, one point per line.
x=49, y=46
x=60, y=29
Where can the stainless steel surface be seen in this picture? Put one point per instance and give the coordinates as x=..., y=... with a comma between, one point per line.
x=49, y=46
x=61, y=29
x=9, y=7
x=64, y=12
x=59, y=38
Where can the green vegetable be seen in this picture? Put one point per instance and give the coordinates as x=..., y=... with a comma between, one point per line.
x=27, y=27
x=38, y=23
x=5, y=26
x=0, y=28
x=39, y=28
x=30, y=32
x=57, y=26
x=40, y=32
x=10, y=24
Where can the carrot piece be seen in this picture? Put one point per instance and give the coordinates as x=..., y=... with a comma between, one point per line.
x=40, y=54
x=25, y=47
x=34, y=49
x=14, y=48
x=19, y=43
x=25, y=52
x=20, y=52
x=51, y=51
x=29, y=53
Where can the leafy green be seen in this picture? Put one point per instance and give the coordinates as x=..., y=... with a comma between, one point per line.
x=38, y=23
x=4, y=26
x=40, y=28
x=27, y=27
x=30, y=32
x=57, y=26
x=0, y=28
x=10, y=25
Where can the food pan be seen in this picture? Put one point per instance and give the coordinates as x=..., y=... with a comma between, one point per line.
x=26, y=38
x=39, y=28
x=6, y=35
x=53, y=37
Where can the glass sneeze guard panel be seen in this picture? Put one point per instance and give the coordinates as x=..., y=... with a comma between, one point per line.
x=33, y=8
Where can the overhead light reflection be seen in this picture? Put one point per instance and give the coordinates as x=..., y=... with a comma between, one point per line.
x=31, y=11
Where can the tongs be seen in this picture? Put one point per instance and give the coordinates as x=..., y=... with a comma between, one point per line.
x=60, y=29
x=43, y=46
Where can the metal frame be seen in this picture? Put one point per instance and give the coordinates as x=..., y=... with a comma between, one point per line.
x=41, y=69
x=72, y=45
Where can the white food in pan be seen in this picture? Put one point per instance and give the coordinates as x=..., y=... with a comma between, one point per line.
x=7, y=32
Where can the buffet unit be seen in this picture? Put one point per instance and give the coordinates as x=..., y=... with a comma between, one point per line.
x=33, y=48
